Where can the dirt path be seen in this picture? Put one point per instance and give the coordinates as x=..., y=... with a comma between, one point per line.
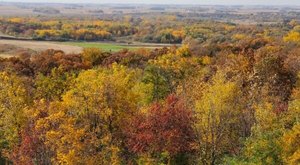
x=42, y=45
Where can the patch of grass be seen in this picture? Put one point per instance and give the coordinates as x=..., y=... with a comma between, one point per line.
x=104, y=46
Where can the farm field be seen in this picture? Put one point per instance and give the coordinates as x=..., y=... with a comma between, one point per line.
x=72, y=47
x=103, y=46
x=40, y=46
x=111, y=46
x=2, y=55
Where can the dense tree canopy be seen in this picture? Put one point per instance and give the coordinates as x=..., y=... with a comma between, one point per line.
x=230, y=94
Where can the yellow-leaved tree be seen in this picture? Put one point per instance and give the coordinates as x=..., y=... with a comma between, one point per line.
x=290, y=139
x=88, y=126
x=293, y=36
x=217, y=114
x=14, y=98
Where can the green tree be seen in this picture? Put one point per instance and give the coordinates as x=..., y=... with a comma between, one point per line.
x=51, y=87
x=159, y=80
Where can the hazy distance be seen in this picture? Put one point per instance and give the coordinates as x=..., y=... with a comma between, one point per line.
x=200, y=2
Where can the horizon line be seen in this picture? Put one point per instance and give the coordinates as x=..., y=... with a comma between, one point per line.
x=179, y=4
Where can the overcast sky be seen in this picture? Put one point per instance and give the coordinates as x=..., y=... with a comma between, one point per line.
x=203, y=2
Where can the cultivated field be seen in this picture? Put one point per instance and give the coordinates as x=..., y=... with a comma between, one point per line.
x=41, y=45
x=114, y=46
x=68, y=47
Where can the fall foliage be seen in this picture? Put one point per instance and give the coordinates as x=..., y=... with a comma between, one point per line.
x=229, y=94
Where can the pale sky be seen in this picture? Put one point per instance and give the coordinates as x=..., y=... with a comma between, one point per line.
x=201, y=2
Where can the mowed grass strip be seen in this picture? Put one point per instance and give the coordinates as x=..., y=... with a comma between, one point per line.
x=103, y=46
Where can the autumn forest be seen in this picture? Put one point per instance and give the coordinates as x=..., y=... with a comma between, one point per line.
x=211, y=92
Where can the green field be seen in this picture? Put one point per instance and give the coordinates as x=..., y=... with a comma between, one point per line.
x=104, y=46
